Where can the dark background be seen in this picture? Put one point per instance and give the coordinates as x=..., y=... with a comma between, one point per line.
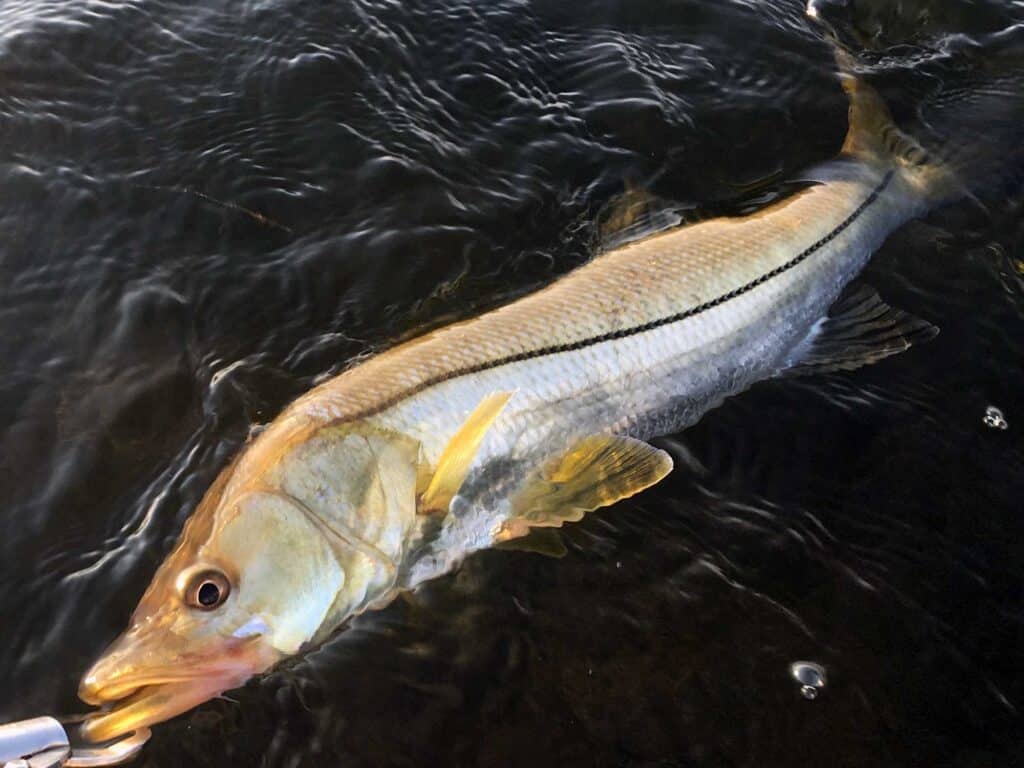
x=207, y=207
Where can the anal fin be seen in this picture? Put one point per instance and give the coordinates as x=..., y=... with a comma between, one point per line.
x=539, y=541
x=861, y=329
x=595, y=472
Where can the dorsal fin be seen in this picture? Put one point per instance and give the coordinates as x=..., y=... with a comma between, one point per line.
x=634, y=215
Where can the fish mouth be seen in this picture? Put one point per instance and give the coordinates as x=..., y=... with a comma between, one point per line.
x=135, y=699
x=112, y=693
x=153, y=703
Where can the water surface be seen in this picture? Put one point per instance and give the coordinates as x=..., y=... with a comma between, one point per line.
x=209, y=207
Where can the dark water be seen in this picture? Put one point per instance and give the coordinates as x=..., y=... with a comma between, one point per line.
x=385, y=166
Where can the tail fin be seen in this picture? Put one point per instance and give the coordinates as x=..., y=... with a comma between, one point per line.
x=973, y=125
x=874, y=138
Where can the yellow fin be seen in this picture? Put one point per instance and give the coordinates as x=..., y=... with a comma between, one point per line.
x=541, y=541
x=595, y=472
x=453, y=466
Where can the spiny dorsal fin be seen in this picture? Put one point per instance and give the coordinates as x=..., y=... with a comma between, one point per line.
x=595, y=472
x=861, y=329
x=458, y=455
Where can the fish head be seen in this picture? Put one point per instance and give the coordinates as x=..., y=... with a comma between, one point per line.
x=249, y=583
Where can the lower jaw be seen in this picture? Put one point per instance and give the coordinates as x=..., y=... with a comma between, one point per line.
x=153, y=704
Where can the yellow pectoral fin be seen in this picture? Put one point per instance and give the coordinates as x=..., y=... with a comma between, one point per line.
x=458, y=455
x=595, y=472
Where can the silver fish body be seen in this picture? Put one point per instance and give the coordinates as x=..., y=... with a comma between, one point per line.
x=641, y=341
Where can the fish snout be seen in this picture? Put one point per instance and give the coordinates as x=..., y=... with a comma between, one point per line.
x=92, y=686
x=99, y=687
x=117, y=673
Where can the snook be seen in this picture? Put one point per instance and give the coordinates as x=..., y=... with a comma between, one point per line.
x=525, y=417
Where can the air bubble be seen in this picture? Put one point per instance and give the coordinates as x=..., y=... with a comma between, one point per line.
x=811, y=677
x=994, y=418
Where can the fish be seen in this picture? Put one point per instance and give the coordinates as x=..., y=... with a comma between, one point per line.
x=524, y=418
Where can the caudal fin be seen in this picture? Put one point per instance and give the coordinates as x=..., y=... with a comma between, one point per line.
x=873, y=136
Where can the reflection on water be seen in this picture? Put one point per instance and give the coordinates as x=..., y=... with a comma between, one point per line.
x=209, y=207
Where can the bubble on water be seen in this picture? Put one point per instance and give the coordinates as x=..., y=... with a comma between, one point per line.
x=811, y=677
x=994, y=418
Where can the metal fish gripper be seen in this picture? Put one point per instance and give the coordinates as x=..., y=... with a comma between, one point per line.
x=42, y=742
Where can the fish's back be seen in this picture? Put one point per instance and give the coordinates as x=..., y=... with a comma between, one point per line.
x=659, y=280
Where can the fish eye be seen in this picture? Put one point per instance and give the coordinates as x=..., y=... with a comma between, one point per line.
x=207, y=590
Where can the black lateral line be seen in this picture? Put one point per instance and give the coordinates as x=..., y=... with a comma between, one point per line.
x=636, y=329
